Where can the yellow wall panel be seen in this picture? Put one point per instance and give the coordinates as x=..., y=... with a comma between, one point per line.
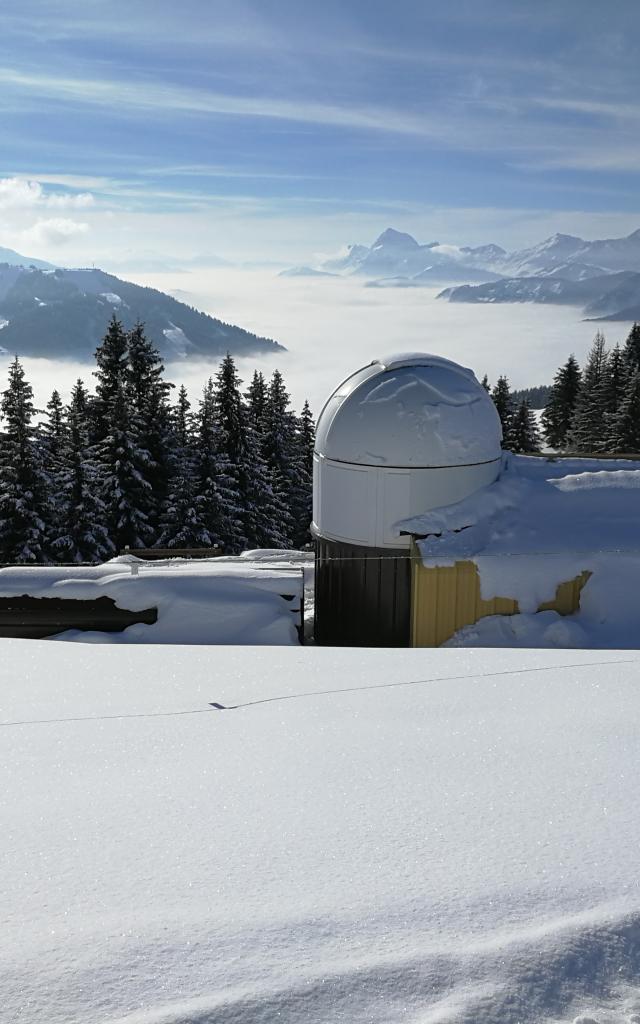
x=446, y=599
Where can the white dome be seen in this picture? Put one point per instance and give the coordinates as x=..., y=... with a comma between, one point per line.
x=409, y=411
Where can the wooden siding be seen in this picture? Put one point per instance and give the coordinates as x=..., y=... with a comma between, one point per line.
x=443, y=600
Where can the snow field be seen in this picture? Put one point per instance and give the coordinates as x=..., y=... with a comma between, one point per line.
x=370, y=835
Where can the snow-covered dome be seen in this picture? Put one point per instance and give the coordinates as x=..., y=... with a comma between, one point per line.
x=399, y=437
x=410, y=410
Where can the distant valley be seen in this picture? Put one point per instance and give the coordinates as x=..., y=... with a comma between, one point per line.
x=58, y=313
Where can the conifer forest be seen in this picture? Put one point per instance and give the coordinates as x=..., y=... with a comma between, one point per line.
x=128, y=463
x=593, y=410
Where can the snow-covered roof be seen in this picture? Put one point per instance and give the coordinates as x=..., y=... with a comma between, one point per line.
x=410, y=410
x=543, y=523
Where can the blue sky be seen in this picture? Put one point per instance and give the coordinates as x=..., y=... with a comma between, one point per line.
x=151, y=130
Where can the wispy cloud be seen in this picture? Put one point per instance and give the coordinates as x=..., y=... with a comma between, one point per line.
x=160, y=97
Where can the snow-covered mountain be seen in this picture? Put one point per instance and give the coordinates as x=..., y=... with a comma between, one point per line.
x=608, y=255
x=607, y=295
x=396, y=259
x=64, y=314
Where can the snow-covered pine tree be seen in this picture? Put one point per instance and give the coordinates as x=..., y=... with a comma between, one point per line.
x=631, y=349
x=53, y=427
x=502, y=400
x=588, y=431
x=181, y=524
x=485, y=384
x=617, y=375
x=81, y=530
x=307, y=435
x=50, y=441
x=241, y=444
x=217, y=496
x=149, y=402
x=122, y=468
x=302, y=504
x=266, y=513
x=183, y=419
x=24, y=485
x=111, y=374
x=281, y=452
x=625, y=426
x=558, y=412
x=256, y=400
x=524, y=433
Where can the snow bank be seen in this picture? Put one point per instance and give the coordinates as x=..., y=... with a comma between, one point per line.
x=540, y=524
x=371, y=836
x=253, y=599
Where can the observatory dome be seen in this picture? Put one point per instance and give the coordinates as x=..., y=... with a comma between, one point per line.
x=410, y=411
x=399, y=437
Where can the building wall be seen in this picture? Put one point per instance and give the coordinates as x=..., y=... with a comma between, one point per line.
x=444, y=600
x=362, y=595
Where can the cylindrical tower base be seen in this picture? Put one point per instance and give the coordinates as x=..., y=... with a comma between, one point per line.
x=362, y=595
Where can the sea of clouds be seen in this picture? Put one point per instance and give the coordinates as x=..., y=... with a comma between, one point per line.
x=332, y=326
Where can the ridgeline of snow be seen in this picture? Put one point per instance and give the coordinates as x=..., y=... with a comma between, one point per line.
x=384, y=836
x=540, y=524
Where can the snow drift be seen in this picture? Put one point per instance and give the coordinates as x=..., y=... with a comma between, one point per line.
x=252, y=599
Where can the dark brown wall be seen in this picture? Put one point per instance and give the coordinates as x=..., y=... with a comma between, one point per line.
x=362, y=595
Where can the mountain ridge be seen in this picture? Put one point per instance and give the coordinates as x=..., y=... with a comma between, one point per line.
x=64, y=313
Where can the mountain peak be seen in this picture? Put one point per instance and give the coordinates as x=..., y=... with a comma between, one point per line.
x=395, y=239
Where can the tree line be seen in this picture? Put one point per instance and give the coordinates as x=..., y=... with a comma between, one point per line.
x=589, y=410
x=126, y=466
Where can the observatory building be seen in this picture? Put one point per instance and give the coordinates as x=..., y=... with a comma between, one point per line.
x=398, y=437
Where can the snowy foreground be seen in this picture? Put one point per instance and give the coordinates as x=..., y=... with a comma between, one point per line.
x=369, y=836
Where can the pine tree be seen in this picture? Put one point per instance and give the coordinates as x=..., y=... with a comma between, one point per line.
x=631, y=351
x=588, y=431
x=524, y=434
x=216, y=497
x=122, y=467
x=307, y=431
x=54, y=427
x=302, y=504
x=182, y=525
x=82, y=533
x=256, y=400
x=281, y=453
x=182, y=419
x=617, y=375
x=558, y=412
x=625, y=427
x=23, y=481
x=111, y=360
x=149, y=403
x=501, y=396
x=485, y=384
